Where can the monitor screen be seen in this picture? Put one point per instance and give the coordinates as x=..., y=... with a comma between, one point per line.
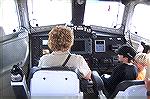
x=44, y=42
x=79, y=45
x=99, y=45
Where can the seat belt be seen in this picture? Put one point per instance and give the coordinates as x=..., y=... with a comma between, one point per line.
x=63, y=65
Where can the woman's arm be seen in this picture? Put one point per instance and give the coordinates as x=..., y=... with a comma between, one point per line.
x=88, y=76
x=147, y=85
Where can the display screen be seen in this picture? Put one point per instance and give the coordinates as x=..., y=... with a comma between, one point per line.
x=79, y=45
x=44, y=42
x=99, y=46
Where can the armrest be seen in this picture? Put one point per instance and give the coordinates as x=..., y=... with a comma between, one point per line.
x=97, y=81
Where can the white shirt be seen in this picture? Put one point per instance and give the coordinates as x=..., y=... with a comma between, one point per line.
x=58, y=58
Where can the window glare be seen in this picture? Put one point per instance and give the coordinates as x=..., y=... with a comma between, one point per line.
x=49, y=12
x=8, y=16
x=141, y=20
x=102, y=13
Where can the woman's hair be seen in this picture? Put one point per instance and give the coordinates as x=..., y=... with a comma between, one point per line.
x=60, y=38
x=141, y=58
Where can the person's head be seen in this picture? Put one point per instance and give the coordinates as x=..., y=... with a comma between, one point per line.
x=126, y=53
x=146, y=48
x=140, y=60
x=61, y=38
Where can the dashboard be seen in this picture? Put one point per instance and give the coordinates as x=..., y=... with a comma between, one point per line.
x=97, y=47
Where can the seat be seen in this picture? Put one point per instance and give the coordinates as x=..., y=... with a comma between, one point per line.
x=54, y=83
x=58, y=83
x=133, y=92
x=122, y=86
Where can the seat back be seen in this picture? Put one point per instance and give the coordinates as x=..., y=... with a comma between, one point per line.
x=54, y=83
x=122, y=86
x=133, y=92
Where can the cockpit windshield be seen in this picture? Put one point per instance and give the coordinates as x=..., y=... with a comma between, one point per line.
x=103, y=13
x=49, y=12
x=141, y=20
x=99, y=13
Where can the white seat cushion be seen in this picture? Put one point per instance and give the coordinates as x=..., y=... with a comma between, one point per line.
x=133, y=92
x=54, y=83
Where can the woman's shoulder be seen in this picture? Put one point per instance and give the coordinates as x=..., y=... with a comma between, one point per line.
x=45, y=56
x=76, y=56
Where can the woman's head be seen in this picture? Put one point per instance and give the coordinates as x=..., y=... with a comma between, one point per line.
x=60, y=38
x=140, y=60
x=146, y=48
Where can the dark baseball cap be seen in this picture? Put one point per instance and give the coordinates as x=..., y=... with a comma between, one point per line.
x=127, y=51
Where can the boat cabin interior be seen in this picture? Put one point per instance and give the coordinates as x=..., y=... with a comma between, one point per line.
x=100, y=27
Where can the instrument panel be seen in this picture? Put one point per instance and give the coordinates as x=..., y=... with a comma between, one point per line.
x=98, y=48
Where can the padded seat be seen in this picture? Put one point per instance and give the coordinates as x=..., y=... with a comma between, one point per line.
x=58, y=83
x=133, y=92
x=122, y=86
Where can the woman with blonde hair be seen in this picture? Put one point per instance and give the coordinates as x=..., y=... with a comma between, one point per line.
x=140, y=60
x=60, y=41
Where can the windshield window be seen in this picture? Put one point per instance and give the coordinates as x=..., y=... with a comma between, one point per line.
x=141, y=20
x=102, y=13
x=8, y=16
x=49, y=12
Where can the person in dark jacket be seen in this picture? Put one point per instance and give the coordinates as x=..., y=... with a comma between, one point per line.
x=125, y=71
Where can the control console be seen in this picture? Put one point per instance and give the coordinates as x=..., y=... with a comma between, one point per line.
x=98, y=48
